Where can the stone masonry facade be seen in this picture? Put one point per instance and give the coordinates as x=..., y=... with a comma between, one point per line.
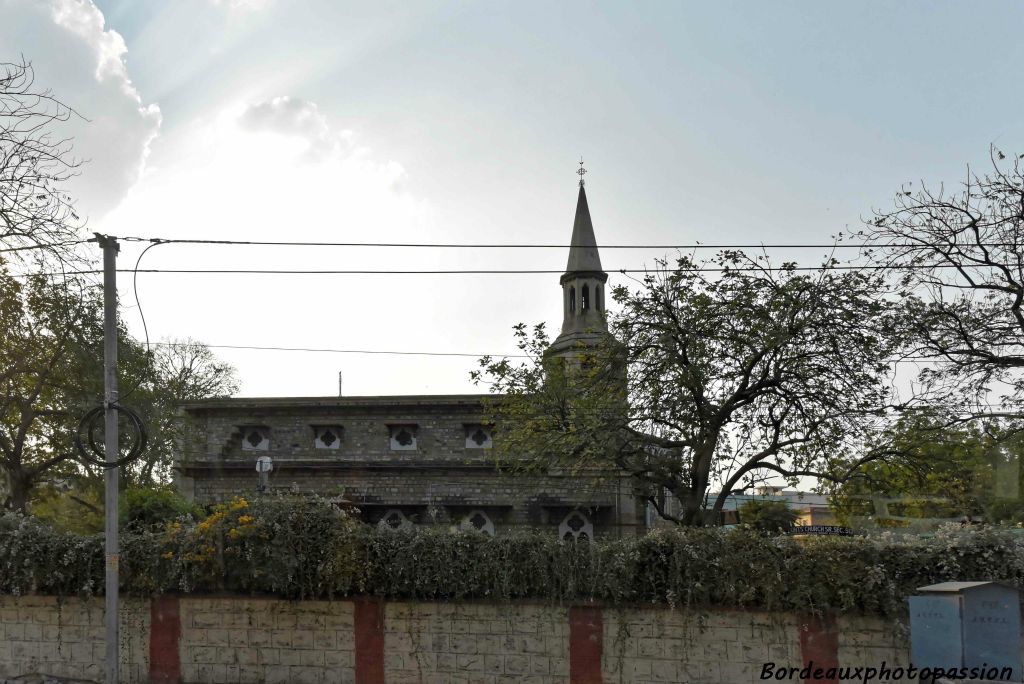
x=445, y=473
x=234, y=639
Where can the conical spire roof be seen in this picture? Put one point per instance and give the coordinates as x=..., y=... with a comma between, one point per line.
x=583, y=254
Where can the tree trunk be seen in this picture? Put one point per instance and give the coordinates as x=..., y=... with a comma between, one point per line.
x=21, y=487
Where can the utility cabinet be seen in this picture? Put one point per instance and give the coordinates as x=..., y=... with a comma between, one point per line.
x=966, y=624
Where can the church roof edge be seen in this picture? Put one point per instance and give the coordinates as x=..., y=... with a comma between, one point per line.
x=354, y=400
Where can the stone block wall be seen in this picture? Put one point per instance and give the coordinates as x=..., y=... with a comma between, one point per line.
x=680, y=646
x=232, y=640
x=436, y=642
x=66, y=638
x=221, y=640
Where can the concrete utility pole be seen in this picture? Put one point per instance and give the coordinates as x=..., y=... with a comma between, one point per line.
x=113, y=557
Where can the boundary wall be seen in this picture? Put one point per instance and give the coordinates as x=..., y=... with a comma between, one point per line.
x=232, y=639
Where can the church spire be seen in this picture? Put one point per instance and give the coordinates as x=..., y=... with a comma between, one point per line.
x=583, y=301
x=583, y=254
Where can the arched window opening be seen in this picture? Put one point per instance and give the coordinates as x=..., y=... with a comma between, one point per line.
x=572, y=300
x=479, y=521
x=576, y=527
x=586, y=297
x=394, y=519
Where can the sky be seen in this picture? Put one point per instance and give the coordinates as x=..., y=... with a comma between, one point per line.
x=715, y=122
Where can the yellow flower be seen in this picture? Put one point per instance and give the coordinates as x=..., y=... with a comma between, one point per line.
x=245, y=519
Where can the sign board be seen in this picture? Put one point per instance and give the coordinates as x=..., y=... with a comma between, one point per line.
x=833, y=530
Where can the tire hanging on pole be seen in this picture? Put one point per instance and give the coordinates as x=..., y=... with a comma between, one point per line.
x=92, y=453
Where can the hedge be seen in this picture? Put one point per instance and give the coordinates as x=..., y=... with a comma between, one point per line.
x=306, y=548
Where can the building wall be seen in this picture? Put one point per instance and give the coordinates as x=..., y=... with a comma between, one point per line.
x=440, y=481
x=260, y=640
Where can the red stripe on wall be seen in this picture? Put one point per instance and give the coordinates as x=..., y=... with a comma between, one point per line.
x=164, y=633
x=819, y=646
x=585, y=636
x=369, y=620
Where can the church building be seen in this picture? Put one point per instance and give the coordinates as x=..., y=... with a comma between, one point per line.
x=409, y=460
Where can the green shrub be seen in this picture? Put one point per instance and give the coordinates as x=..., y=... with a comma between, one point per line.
x=145, y=508
x=303, y=548
x=768, y=517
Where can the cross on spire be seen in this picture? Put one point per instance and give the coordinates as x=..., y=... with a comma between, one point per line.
x=581, y=171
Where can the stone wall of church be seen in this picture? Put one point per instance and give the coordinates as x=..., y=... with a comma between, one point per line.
x=438, y=495
x=440, y=479
x=213, y=434
x=215, y=640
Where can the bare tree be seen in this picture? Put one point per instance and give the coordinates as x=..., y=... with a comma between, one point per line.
x=177, y=370
x=959, y=256
x=34, y=163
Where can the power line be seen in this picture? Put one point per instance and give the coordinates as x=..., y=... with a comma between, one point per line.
x=915, y=360
x=254, y=271
x=452, y=245
x=345, y=351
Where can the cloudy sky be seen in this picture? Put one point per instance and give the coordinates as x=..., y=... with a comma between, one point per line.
x=320, y=120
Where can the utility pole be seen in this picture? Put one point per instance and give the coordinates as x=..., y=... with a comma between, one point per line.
x=113, y=556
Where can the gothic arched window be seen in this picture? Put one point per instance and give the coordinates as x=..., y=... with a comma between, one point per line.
x=576, y=527
x=586, y=297
x=479, y=521
x=255, y=438
x=394, y=519
x=327, y=437
x=572, y=300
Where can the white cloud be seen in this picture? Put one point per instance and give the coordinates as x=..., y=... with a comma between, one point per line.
x=296, y=117
x=243, y=5
x=247, y=174
x=84, y=65
x=255, y=167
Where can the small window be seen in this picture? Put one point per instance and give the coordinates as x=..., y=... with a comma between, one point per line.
x=575, y=527
x=479, y=521
x=586, y=297
x=572, y=300
x=255, y=438
x=394, y=519
x=478, y=437
x=327, y=437
x=403, y=437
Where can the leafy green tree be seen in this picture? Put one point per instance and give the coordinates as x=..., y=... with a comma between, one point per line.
x=768, y=517
x=48, y=377
x=720, y=373
x=51, y=374
x=960, y=471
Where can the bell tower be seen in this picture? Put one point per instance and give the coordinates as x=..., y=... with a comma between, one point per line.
x=583, y=296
